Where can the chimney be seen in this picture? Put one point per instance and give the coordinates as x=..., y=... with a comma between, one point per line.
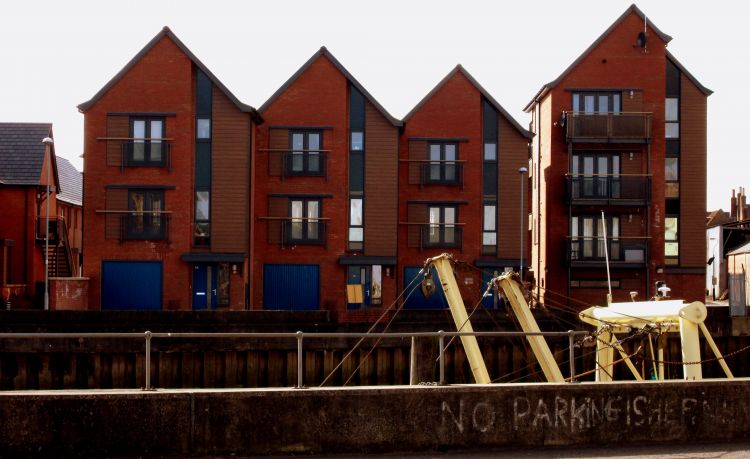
x=733, y=207
x=742, y=207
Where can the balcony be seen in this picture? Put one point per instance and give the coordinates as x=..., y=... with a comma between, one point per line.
x=611, y=190
x=440, y=235
x=623, y=127
x=441, y=173
x=588, y=252
x=152, y=226
x=307, y=231
x=146, y=153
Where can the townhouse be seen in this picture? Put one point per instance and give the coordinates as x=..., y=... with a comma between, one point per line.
x=619, y=171
x=167, y=158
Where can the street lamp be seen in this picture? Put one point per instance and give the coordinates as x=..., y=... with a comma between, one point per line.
x=713, y=267
x=47, y=141
x=521, y=171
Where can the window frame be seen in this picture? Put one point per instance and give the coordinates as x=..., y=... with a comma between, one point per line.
x=442, y=164
x=306, y=154
x=156, y=221
x=441, y=226
x=147, y=142
x=305, y=222
x=580, y=98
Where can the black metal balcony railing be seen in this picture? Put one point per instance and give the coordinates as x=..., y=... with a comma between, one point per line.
x=585, y=251
x=607, y=127
x=435, y=235
x=441, y=173
x=582, y=189
x=146, y=153
x=304, y=231
x=144, y=226
x=305, y=164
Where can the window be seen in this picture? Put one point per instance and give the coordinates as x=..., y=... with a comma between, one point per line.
x=202, y=231
x=672, y=118
x=671, y=240
x=305, y=157
x=596, y=102
x=442, y=229
x=672, y=177
x=203, y=128
x=147, y=147
x=356, y=227
x=594, y=283
x=358, y=141
x=587, y=238
x=146, y=219
x=442, y=165
x=489, y=233
x=595, y=176
x=304, y=226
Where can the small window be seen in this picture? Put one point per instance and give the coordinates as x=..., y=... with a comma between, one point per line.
x=356, y=228
x=358, y=143
x=671, y=240
x=203, y=128
x=490, y=152
x=489, y=235
x=442, y=230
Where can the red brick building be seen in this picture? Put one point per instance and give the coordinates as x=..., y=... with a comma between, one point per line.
x=460, y=186
x=25, y=165
x=325, y=196
x=167, y=159
x=622, y=130
x=70, y=211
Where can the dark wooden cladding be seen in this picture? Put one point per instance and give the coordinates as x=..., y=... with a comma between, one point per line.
x=417, y=151
x=632, y=103
x=277, y=207
x=416, y=213
x=692, y=175
x=230, y=169
x=512, y=154
x=114, y=199
x=631, y=166
x=117, y=126
x=381, y=184
x=278, y=139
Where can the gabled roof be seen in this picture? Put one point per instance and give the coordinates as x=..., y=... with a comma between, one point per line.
x=22, y=153
x=166, y=32
x=323, y=51
x=744, y=248
x=460, y=69
x=716, y=218
x=631, y=9
x=689, y=75
x=71, y=182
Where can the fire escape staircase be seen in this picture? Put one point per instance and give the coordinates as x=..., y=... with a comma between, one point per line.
x=59, y=253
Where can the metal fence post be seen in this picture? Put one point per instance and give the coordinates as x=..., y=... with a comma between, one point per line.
x=441, y=355
x=571, y=355
x=299, y=359
x=413, y=362
x=147, y=371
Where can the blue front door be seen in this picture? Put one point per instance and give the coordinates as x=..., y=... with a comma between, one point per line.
x=204, y=286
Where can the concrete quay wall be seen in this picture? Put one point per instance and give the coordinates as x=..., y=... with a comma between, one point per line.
x=370, y=419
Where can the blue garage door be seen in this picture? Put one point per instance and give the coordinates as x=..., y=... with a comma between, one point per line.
x=417, y=300
x=291, y=287
x=131, y=285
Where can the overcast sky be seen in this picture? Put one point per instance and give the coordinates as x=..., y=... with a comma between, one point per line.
x=57, y=54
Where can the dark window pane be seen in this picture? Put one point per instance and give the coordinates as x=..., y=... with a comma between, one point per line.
x=202, y=166
x=203, y=94
x=356, y=172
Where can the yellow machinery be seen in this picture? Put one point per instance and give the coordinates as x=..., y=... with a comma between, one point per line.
x=616, y=318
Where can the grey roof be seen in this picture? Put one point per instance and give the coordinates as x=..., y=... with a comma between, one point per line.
x=484, y=92
x=323, y=51
x=71, y=182
x=166, y=32
x=631, y=9
x=22, y=153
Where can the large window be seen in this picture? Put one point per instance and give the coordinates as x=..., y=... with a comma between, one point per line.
x=587, y=237
x=147, y=147
x=146, y=219
x=489, y=225
x=305, y=157
x=442, y=229
x=671, y=240
x=596, y=102
x=304, y=226
x=356, y=224
x=672, y=118
x=442, y=166
x=596, y=175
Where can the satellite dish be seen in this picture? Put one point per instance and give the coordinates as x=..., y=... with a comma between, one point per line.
x=641, y=40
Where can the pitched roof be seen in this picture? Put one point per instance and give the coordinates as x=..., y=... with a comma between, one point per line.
x=717, y=217
x=22, y=153
x=744, y=248
x=71, y=182
x=460, y=69
x=631, y=9
x=166, y=32
x=323, y=51
x=689, y=75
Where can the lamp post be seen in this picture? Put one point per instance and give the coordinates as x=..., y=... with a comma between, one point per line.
x=521, y=172
x=714, y=281
x=47, y=141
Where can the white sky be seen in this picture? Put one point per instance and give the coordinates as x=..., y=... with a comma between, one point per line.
x=57, y=54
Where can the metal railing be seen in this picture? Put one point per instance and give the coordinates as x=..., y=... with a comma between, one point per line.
x=441, y=235
x=146, y=153
x=300, y=336
x=608, y=189
x=308, y=231
x=305, y=163
x=146, y=225
x=607, y=127
x=621, y=250
x=441, y=173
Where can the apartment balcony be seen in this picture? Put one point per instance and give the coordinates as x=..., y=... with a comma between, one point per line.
x=303, y=231
x=304, y=164
x=623, y=127
x=435, y=235
x=623, y=252
x=146, y=153
x=607, y=190
x=152, y=226
x=441, y=173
